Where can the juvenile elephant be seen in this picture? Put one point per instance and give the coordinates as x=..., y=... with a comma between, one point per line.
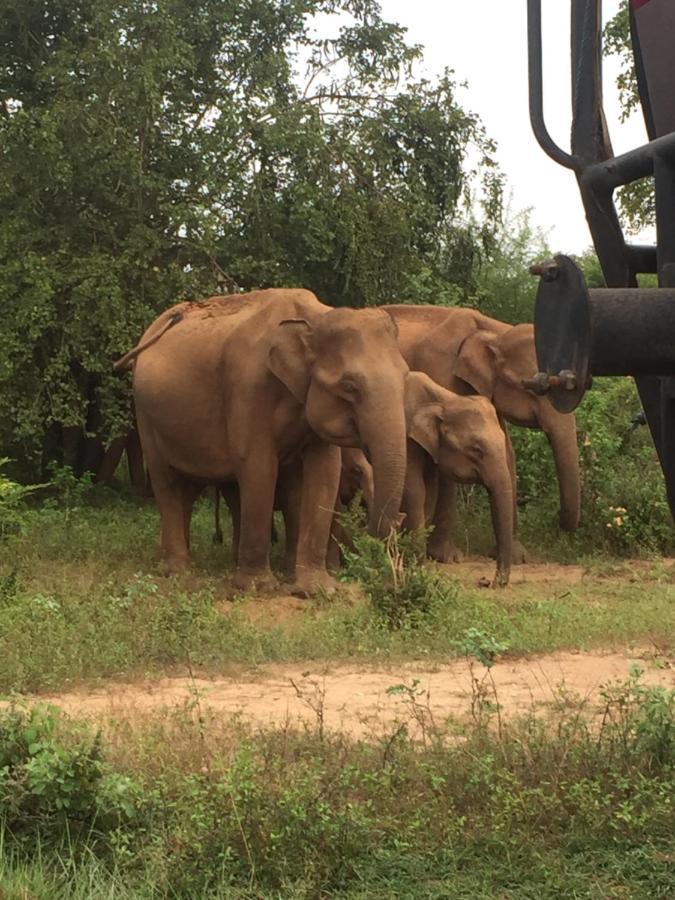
x=231, y=389
x=469, y=353
x=457, y=438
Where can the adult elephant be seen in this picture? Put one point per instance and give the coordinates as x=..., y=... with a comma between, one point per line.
x=467, y=352
x=231, y=389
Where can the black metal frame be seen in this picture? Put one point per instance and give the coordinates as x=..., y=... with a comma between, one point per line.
x=611, y=315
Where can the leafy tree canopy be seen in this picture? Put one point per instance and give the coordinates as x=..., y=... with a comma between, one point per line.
x=154, y=150
x=636, y=201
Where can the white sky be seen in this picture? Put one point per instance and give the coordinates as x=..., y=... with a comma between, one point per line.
x=485, y=42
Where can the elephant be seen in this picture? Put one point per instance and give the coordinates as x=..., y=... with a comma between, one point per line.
x=235, y=387
x=461, y=439
x=467, y=352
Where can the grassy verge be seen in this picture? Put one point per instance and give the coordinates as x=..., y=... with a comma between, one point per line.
x=80, y=599
x=189, y=806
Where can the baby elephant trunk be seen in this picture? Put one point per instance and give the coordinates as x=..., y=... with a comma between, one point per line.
x=499, y=485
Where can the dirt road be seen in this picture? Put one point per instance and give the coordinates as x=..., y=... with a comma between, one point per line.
x=355, y=698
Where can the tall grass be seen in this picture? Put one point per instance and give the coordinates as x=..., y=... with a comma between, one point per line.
x=187, y=805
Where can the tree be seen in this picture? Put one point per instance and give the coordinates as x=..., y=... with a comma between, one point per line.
x=504, y=288
x=154, y=150
x=636, y=201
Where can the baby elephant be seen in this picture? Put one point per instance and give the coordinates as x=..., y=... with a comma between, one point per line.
x=460, y=439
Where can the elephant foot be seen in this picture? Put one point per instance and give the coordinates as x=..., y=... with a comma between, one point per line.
x=501, y=578
x=445, y=552
x=257, y=581
x=173, y=565
x=309, y=582
x=288, y=568
x=519, y=555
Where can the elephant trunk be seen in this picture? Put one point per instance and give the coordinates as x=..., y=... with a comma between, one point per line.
x=498, y=483
x=561, y=431
x=383, y=432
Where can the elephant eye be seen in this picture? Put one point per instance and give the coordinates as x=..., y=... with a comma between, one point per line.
x=348, y=386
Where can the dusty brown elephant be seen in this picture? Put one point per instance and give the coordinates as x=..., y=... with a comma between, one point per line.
x=467, y=352
x=230, y=389
x=458, y=438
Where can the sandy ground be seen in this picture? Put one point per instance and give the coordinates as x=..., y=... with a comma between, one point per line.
x=355, y=698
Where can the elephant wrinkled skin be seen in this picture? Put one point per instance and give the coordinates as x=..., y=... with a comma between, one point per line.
x=231, y=389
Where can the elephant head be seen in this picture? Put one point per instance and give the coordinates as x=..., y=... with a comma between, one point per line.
x=346, y=369
x=495, y=365
x=463, y=437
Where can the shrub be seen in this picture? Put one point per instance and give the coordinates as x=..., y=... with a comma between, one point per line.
x=401, y=588
x=12, y=499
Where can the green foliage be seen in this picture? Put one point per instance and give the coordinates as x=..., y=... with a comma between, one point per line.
x=636, y=200
x=399, y=585
x=505, y=289
x=213, y=809
x=12, y=499
x=481, y=646
x=155, y=152
x=620, y=472
x=51, y=785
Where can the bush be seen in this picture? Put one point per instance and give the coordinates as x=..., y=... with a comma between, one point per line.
x=51, y=785
x=12, y=499
x=194, y=807
x=401, y=588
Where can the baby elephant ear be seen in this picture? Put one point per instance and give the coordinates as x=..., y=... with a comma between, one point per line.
x=290, y=356
x=424, y=428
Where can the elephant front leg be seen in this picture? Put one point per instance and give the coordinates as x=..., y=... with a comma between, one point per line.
x=414, y=490
x=289, y=493
x=257, y=483
x=320, y=482
x=441, y=546
x=519, y=554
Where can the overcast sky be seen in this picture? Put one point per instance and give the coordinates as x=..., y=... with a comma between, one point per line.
x=485, y=42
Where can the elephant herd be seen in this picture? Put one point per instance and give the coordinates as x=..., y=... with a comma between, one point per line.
x=258, y=394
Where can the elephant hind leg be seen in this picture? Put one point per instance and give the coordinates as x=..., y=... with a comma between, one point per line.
x=189, y=493
x=170, y=493
x=230, y=494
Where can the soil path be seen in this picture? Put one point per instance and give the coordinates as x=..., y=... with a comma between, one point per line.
x=354, y=698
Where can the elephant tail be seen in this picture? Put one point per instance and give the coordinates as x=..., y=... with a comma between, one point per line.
x=125, y=361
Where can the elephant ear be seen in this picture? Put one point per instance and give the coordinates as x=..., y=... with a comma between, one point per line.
x=424, y=428
x=477, y=362
x=290, y=356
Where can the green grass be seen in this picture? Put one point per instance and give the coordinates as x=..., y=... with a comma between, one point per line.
x=80, y=599
x=187, y=805
x=184, y=804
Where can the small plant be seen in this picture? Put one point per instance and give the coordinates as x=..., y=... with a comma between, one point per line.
x=12, y=499
x=68, y=491
x=48, y=783
x=418, y=701
x=477, y=644
x=401, y=587
x=480, y=645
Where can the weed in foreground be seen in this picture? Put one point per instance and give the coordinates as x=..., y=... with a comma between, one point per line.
x=188, y=805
